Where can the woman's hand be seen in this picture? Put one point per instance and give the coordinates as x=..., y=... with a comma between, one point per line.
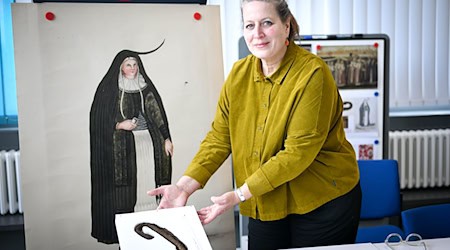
x=172, y=196
x=169, y=147
x=128, y=124
x=221, y=205
x=175, y=195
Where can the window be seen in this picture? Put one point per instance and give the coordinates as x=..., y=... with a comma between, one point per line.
x=8, y=97
x=419, y=44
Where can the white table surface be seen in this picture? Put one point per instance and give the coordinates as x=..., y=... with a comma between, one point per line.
x=433, y=244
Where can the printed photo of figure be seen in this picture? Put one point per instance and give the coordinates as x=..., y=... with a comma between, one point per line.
x=360, y=115
x=353, y=67
x=131, y=146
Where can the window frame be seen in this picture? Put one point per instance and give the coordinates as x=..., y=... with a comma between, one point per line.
x=8, y=96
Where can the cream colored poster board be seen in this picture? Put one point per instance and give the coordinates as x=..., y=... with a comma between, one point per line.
x=62, y=53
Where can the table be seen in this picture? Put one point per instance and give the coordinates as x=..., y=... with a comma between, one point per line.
x=432, y=244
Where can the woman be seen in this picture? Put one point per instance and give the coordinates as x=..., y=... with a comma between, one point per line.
x=280, y=117
x=129, y=138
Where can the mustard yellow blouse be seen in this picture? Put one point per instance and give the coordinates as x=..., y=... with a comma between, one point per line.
x=285, y=134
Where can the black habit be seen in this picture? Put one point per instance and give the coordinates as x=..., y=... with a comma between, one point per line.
x=113, y=155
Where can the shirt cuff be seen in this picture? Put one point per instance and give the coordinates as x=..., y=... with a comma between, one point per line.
x=198, y=173
x=258, y=184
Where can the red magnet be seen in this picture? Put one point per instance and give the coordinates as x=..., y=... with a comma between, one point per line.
x=49, y=16
x=318, y=47
x=197, y=16
x=375, y=45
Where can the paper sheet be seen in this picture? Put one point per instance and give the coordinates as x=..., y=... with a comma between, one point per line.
x=181, y=225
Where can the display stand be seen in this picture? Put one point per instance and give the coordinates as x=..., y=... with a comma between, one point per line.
x=360, y=66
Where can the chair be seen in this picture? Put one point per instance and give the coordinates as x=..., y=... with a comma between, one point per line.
x=381, y=200
x=431, y=221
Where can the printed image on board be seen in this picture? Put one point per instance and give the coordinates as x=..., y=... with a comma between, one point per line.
x=360, y=115
x=349, y=123
x=366, y=148
x=352, y=66
x=130, y=138
x=106, y=116
x=365, y=152
x=348, y=118
x=345, y=121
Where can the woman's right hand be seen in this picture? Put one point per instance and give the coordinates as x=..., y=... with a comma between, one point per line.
x=126, y=125
x=172, y=196
x=176, y=195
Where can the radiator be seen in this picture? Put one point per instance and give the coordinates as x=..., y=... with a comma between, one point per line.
x=10, y=192
x=423, y=157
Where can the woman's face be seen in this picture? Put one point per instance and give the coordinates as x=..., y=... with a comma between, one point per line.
x=129, y=68
x=264, y=32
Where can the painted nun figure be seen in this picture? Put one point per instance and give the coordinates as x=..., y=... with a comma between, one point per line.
x=130, y=142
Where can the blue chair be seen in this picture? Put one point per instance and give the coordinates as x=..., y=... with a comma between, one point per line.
x=381, y=200
x=431, y=221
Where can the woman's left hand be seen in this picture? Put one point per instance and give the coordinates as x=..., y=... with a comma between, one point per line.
x=169, y=147
x=221, y=205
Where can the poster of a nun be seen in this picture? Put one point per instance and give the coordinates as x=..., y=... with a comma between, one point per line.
x=114, y=100
x=130, y=144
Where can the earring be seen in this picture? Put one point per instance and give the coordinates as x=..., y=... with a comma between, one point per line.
x=286, y=42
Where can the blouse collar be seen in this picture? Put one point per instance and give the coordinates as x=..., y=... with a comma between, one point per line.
x=279, y=75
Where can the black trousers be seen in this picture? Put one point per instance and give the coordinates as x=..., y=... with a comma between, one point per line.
x=334, y=223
